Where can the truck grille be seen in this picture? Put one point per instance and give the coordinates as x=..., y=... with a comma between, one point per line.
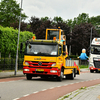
x=97, y=64
x=39, y=64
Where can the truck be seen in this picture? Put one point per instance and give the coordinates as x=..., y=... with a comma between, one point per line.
x=94, y=60
x=47, y=58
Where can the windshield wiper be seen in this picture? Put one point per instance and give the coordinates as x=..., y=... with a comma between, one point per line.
x=39, y=53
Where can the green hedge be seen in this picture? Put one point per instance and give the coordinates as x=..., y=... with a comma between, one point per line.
x=9, y=38
x=72, y=56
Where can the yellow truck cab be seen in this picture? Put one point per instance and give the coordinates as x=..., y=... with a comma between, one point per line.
x=46, y=58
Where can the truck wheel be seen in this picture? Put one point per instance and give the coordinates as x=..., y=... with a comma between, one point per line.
x=61, y=76
x=74, y=72
x=71, y=76
x=91, y=71
x=28, y=76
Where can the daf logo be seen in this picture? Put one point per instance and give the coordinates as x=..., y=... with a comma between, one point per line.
x=39, y=63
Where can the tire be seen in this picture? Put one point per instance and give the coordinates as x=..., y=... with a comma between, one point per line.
x=74, y=72
x=28, y=76
x=61, y=76
x=91, y=71
x=70, y=76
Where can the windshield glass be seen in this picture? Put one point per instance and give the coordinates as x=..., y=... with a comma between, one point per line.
x=95, y=49
x=51, y=34
x=41, y=49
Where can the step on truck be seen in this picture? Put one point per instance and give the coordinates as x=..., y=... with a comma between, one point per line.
x=47, y=58
x=94, y=60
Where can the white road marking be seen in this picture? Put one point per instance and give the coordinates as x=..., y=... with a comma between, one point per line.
x=72, y=83
x=16, y=99
x=44, y=89
x=26, y=95
x=51, y=87
x=36, y=92
x=58, y=86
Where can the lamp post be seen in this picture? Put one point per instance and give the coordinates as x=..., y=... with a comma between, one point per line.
x=91, y=39
x=16, y=64
x=70, y=45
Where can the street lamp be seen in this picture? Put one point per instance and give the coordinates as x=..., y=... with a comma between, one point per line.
x=70, y=45
x=91, y=39
x=16, y=64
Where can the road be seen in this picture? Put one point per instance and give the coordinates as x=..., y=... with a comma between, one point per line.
x=15, y=88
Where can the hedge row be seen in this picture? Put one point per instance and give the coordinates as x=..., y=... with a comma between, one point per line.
x=9, y=38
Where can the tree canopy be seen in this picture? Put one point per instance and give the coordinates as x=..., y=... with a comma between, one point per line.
x=10, y=12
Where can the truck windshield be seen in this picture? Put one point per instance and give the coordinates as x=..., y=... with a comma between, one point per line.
x=51, y=34
x=41, y=49
x=95, y=49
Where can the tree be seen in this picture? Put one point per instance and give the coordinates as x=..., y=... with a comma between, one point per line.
x=24, y=26
x=39, y=26
x=10, y=12
x=45, y=18
x=8, y=39
x=57, y=19
x=81, y=37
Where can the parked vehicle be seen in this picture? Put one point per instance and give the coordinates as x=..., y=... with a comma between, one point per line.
x=94, y=60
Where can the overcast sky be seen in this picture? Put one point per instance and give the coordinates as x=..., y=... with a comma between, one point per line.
x=67, y=9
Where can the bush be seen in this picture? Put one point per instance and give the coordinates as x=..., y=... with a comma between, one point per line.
x=9, y=38
x=73, y=56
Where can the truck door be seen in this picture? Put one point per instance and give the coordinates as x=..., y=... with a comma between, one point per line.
x=60, y=56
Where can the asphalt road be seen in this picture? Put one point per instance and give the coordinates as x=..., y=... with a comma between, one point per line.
x=17, y=88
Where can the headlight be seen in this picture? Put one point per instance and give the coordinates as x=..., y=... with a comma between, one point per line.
x=26, y=63
x=26, y=69
x=54, y=64
x=53, y=71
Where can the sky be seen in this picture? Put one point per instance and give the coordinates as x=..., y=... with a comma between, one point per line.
x=67, y=9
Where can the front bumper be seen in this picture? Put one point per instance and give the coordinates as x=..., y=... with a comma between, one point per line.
x=41, y=71
x=94, y=69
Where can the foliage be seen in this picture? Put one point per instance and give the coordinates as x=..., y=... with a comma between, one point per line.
x=9, y=37
x=10, y=12
x=83, y=66
x=81, y=37
x=39, y=26
x=78, y=39
x=82, y=18
x=24, y=26
x=73, y=56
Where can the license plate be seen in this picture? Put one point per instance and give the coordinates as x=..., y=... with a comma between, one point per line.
x=40, y=70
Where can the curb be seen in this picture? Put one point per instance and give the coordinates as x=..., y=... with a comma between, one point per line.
x=12, y=76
